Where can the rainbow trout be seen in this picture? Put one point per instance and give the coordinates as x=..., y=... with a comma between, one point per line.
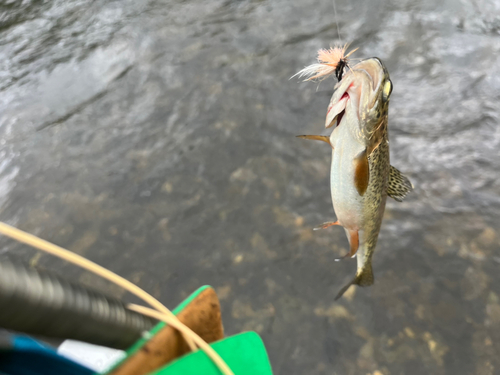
x=361, y=176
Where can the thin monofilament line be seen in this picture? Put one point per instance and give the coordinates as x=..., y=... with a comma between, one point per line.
x=337, y=21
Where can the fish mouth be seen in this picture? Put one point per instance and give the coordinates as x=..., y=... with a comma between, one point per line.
x=358, y=90
x=337, y=110
x=374, y=69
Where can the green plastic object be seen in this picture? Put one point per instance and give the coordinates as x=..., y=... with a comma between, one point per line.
x=244, y=353
x=139, y=344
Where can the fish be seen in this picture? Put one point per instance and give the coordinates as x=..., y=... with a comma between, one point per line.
x=361, y=176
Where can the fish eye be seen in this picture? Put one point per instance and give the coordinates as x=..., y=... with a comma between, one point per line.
x=387, y=90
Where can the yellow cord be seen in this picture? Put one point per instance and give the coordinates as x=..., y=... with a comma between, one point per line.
x=58, y=251
x=209, y=351
x=162, y=313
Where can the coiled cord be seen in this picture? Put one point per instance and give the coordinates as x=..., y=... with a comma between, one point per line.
x=43, y=304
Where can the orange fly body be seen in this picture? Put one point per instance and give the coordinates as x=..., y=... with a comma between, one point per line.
x=330, y=61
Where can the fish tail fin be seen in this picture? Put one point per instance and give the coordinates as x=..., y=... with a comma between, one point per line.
x=345, y=287
x=364, y=277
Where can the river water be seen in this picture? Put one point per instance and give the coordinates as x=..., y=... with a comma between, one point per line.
x=157, y=138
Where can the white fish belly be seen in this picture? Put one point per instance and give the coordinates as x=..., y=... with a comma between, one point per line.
x=347, y=203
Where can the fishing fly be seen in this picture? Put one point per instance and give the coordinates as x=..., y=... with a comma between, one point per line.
x=333, y=60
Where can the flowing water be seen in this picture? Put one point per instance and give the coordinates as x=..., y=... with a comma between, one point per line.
x=157, y=138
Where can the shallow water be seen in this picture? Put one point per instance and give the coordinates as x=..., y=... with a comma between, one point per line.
x=157, y=139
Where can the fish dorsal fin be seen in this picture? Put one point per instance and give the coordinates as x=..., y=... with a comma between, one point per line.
x=399, y=185
x=361, y=172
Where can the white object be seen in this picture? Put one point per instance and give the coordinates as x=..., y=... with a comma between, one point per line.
x=96, y=358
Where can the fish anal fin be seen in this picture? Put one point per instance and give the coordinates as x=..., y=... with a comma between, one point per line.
x=364, y=277
x=323, y=138
x=361, y=172
x=353, y=243
x=399, y=185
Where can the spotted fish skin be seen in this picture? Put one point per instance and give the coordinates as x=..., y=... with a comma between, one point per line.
x=374, y=199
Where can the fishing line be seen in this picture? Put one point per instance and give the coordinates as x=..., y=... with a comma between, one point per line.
x=337, y=21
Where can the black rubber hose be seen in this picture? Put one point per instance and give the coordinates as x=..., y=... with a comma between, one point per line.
x=39, y=303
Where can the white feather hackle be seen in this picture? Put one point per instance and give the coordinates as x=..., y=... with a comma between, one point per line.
x=328, y=60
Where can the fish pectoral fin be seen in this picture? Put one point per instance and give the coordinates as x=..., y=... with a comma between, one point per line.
x=361, y=172
x=353, y=243
x=326, y=225
x=323, y=138
x=364, y=277
x=399, y=185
